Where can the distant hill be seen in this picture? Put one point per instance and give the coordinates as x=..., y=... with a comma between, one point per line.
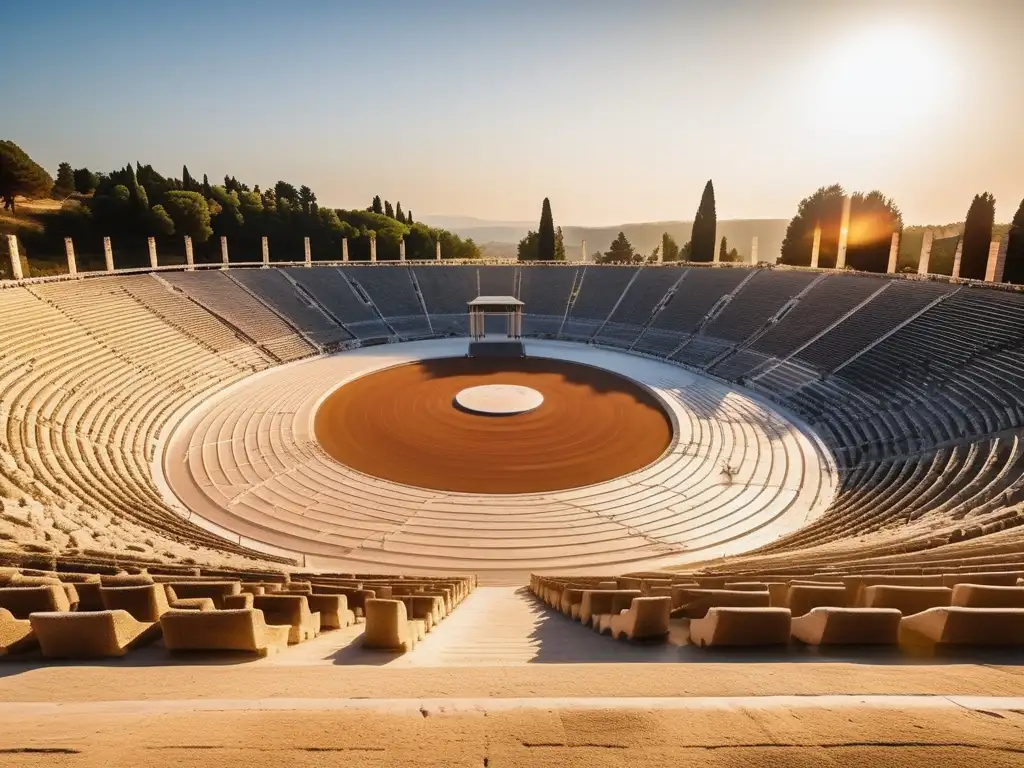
x=495, y=237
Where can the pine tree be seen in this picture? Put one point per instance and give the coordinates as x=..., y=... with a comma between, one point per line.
x=546, y=233
x=398, y=212
x=723, y=249
x=376, y=205
x=620, y=251
x=20, y=175
x=704, y=226
x=86, y=181
x=187, y=182
x=977, y=236
x=64, y=184
x=1013, y=268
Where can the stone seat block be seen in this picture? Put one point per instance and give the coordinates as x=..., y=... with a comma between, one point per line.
x=739, y=626
x=226, y=630
x=90, y=634
x=848, y=626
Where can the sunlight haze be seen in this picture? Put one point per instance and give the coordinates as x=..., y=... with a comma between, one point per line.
x=618, y=112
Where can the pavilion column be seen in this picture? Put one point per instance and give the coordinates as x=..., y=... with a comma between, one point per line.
x=894, y=253
x=816, y=248
x=265, y=244
x=401, y=250
x=344, y=249
x=958, y=257
x=306, y=251
x=717, y=258
x=69, y=250
x=584, y=251
x=224, y=252
x=152, y=253
x=108, y=254
x=190, y=258
x=844, y=234
x=373, y=246
x=753, y=251
x=15, y=254
x=437, y=250
x=926, y=253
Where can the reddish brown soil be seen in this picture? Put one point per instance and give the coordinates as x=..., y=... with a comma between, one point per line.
x=401, y=424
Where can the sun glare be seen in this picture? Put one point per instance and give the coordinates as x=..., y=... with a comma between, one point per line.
x=882, y=80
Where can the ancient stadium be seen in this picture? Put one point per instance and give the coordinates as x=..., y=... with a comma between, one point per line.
x=338, y=475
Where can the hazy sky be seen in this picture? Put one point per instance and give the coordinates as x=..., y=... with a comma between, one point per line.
x=618, y=111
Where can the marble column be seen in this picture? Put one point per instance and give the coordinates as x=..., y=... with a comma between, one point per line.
x=958, y=256
x=437, y=250
x=996, y=260
x=816, y=248
x=373, y=247
x=586, y=255
x=401, y=250
x=753, y=250
x=15, y=254
x=306, y=251
x=265, y=244
x=224, y=252
x=926, y=253
x=844, y=234
x=190, y=258
x=344, y=249
x=108, y=254
x=894, y=253
x=69, y=250
x=152, y=252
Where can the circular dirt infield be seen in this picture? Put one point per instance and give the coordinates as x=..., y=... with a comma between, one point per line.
x=401, y=424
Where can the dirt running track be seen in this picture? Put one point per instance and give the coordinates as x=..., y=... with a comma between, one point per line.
x=400, y=424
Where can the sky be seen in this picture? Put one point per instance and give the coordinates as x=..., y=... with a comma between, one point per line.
x=617, y=111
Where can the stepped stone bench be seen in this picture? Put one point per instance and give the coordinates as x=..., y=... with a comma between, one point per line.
x=739, y=626
x=15, y=634
x=848, y=626
x=225, y=630
x=90, y=634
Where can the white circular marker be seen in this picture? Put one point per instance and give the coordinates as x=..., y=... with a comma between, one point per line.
x=499, y=399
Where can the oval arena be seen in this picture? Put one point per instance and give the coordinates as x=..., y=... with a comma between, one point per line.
x=294, y=462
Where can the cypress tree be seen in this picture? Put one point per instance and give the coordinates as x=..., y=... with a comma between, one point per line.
x=207, y=189
x=705, y=223
x=398, y=212
x=723, y=250
x=1013, y=269
x=136, y=192
x=187, y=182
x=408, y=217
x=977, y=236
x=376, y=206
x=546, y=233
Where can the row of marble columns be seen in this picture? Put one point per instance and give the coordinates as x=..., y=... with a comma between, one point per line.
x=108, y=253
x=993, y=272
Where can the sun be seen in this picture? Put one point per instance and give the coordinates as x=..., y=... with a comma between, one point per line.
x=882, y=80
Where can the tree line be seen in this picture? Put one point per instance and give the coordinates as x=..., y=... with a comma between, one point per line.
x=874, y=218
x=135, y=202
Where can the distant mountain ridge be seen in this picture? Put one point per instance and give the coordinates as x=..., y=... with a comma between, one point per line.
x=495, y=237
